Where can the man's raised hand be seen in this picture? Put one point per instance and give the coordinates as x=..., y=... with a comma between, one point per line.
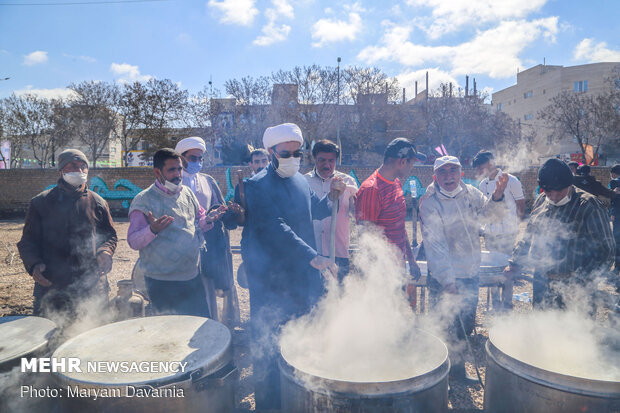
x=159, y=224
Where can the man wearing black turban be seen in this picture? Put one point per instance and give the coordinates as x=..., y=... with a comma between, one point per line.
x=568, y=238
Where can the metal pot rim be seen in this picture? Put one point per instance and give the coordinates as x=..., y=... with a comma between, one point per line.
x=547, y=378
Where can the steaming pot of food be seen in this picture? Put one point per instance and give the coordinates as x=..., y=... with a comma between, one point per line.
x=153, y=350
x=518, y=382
x=419, y=385
x=22, y=336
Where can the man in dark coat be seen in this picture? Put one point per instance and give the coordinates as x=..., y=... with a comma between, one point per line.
x=567, y=241
x=68, y=242
x=583, y=180
x=285, y=279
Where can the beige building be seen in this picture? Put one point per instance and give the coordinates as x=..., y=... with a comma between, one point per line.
x=534, y=90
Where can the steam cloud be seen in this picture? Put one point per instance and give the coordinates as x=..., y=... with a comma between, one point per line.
x=362, y=330
x=565, y=342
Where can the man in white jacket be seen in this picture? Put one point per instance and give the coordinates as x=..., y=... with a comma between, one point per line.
x=451, y=213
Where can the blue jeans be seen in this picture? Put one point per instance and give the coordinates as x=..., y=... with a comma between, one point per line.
x=177, y=297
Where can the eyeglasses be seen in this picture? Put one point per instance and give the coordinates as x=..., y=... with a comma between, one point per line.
x=194, y=158
x=287, y=154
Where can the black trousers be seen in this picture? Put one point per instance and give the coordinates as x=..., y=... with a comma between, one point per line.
x=271, y=306
x=177, y=297
x=466, y=304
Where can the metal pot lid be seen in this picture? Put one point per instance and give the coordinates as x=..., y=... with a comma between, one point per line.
x=203, y=343
x=22, y=335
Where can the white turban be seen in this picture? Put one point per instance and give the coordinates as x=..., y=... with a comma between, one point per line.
x=194, y=142
x=285, y=132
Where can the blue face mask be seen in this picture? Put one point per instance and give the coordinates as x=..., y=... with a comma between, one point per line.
x=193, y=167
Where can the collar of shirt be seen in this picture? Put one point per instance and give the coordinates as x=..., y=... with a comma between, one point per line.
x=316, y=174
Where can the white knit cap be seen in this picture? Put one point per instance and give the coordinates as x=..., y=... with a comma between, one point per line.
x=446, y=160
x=286, y=132
x=194, y=142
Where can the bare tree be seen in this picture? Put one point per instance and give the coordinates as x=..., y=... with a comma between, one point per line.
x=575, y=115
x=367, y=81
x=130, y=104
x=463, y=125
x=29, y=120
x=165, y=105
x=317, y=90
x=90, y=116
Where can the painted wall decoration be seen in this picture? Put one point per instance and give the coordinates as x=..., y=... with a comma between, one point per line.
x=230, y=193
x=125, y=195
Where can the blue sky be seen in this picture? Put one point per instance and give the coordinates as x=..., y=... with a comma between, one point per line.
x=44, y=48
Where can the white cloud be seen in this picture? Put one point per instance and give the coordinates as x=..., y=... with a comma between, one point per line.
x=599, y=52
x=239, y=12
x=272, y=32
x=451, y=15
x=46, y=93
x=128, y=73
x=436, y=77
x=35, y=58
x=332, y=30
x=494, y=52
x=84, y=58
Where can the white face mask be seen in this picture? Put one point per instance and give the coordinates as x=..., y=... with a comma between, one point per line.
x=561, y=202
x=452, y=193
x=75, y=179
x=288, y=167
x=172, y=187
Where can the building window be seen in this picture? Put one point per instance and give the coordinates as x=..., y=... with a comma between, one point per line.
x=499, y=107
x=112, y=149
x=529, y=116
x=581, y=86
x=527, y=95
x=617, y=84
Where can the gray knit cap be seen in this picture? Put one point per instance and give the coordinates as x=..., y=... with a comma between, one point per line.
x=70, y=155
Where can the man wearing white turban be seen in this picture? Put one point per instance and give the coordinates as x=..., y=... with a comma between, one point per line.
x=216, y=259
x=279, y=246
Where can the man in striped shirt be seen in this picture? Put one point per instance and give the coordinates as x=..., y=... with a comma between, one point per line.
x=568, y=238
x=380, y=199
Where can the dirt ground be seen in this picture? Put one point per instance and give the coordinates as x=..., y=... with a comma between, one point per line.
x=16, y=298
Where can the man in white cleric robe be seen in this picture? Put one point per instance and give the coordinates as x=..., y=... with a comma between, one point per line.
x=285, y=280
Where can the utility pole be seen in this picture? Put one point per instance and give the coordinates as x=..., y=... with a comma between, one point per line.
x=338, y=114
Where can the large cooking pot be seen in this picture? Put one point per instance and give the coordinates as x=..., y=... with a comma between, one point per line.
x=424, y=389
x=515, y=386
x=27, y=337
x=205, y=385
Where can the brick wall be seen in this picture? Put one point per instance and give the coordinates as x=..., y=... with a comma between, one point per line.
x=18, y=186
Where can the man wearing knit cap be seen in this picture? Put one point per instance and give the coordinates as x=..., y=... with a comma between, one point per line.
x=451, y=214
x=68, y=242
x=567, y=241
x=279, y=246
x=216, y=258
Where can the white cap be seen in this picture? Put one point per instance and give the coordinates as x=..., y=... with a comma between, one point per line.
x=446, y=160
x=193, y=142
x=286, y=132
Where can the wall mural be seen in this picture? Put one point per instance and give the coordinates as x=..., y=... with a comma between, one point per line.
x=125, y=195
